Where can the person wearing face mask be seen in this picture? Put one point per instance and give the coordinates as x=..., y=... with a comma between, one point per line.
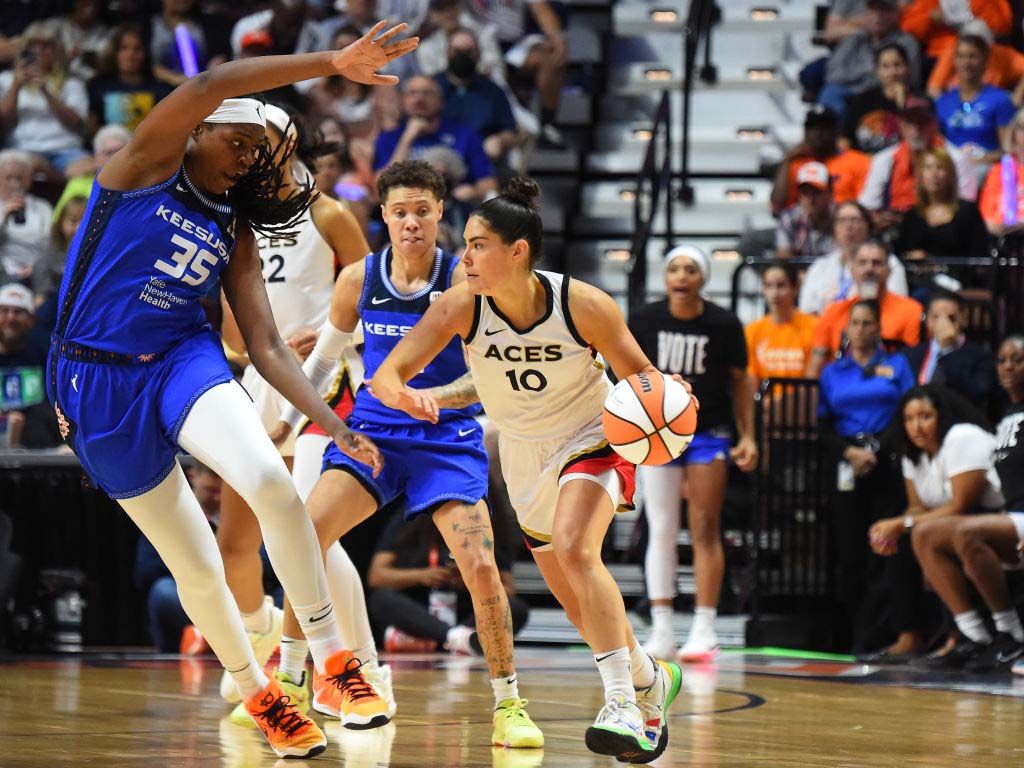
x=474, y=99
x=900, y=316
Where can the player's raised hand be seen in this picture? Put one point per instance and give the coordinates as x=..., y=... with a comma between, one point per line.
x=359, y=447
x=361, y=60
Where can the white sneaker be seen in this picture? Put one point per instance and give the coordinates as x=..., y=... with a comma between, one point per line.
x=381, y=681
x=654, y=702
x=458, y=641
x=263, y=646
x=700, y=646
x=619, y=731
x=661, y=645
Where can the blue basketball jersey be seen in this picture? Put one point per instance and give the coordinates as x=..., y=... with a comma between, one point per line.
x=387, y=316
x=139, y=264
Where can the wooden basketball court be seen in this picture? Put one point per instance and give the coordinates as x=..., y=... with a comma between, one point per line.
x=747, y=710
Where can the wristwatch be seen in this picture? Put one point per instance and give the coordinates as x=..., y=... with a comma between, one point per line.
x=908, y=522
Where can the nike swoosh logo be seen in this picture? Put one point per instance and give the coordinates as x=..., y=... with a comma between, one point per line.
x=491, y=333
x=1001, y=658
x=602, y=658
x=378, y=301
x=322, y=616
x=74, y=382
x=467, y=432
x=179, y=187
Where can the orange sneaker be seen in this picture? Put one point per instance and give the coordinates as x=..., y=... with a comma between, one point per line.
x=289, y=732
x=192, y=642
x=343, y=692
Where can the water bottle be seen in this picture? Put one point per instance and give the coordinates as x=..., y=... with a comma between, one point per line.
x=442, y=601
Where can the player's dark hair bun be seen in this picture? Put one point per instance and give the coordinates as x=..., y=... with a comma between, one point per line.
x=524, y=191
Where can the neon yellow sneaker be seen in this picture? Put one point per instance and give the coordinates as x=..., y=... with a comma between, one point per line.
x=513, y=726
x=263, y=646
x=298, y=693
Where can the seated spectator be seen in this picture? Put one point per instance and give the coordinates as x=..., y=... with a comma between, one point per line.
x=334, y=176
x=444, y=18
x=163, y=46
x=475, y=100
x=927, y=21
x=285, y=25
x=1005, y=67
x=84, y=36
x=346, y=100
x=871, y=121
x=18, y=345
x=42, y=107
x=900, y=316
x=850, y=69
x=946, y=358
x=124, y=90
x=49, y=270
x=845, y=18
x=805, y=229
x=859, y=394
x=847, y=168
x=956, y=553
x=974, y=116
x=453, y=146
x=891, y=186
x=1001, y=201
x=948, y=468
x=779, y=344
x=105, y=144
x=830, y=277
x=24, y=218
x=419, y=601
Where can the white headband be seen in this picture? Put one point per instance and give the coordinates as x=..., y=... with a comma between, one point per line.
x=239, y=111
x=694, y=254
x=280, y=119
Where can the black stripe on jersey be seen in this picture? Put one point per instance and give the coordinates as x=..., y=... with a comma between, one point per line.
x=549, y=295
x=568, y=315
x=477, y=306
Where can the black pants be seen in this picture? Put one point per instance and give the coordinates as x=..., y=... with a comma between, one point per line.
x=396, y=609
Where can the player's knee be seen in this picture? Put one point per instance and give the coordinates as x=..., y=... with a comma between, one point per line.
x=705, y=530
x=269, y=489
x=574, y=555
x=967, y=544
x=480, y=572
x=200, y=575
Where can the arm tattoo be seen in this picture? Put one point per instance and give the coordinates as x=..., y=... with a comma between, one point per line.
x=458, y=394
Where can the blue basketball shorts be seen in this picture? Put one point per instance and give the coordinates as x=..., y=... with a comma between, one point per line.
x=429, y=463
x=705, y=448
x=122, y=420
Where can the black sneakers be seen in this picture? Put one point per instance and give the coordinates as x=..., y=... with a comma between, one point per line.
x=997, y=656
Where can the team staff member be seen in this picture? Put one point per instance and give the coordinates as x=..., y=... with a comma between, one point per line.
x=704, y=343
x=779, y=344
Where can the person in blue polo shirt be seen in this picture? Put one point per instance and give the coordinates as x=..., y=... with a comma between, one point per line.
x=860, y=393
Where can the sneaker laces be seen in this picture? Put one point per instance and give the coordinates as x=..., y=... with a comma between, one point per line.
x=616, y=711
x=352, y=682
x=517, y=709
x=282, y=716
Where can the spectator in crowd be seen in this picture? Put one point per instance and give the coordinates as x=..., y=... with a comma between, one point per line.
x=779, y=344
x=540, y=55
x=871, y=121
x=956, y=552
x=107, y=141
x=18, y=345
x=688, y=335
x=124, y=90
x=84, y=36
x=285, y=26
x=927, y=20
x=163, y=46
x=940, y=225
x=947, y=358
x=845, y=18
x=900, y=317
x=454, y=148
x=419, y=601
x=859, y=394
x=346, y=100
x=850, y=69
x=474, y=99
x=42, y=107
x=974, y=116
x=805, y=229
x=24, y=218
x=49, y=270
x=1005, y=67
x=1001, y=201
x=949, y=470
x=444, y=18
x=334, y=176
x=891, y=186
x=830, y=277
x=847, y=168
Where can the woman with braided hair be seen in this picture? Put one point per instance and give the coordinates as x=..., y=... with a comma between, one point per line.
x=135, y=374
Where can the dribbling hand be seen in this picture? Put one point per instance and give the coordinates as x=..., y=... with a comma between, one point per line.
x=361, y=60
x=676, y=377
x=359, y=447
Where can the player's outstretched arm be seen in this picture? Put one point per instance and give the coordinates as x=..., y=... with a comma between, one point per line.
x=158, y=144
x=243, y=284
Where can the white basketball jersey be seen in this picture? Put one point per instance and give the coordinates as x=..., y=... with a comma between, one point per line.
x=543, y=382
x=299, y=274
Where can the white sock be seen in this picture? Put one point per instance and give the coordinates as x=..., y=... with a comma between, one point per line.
x=642, y=668
x=259, y=620
x=250, y=680
x=661, y=619
x=504, y=688
x=367, y=656
x=972, y=626
x=704, y=619
x=615, y=674
x=1008, y=621
x=317, y=622
x=293, y=657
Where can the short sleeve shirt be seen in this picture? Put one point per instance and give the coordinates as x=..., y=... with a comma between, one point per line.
x=780, y=350
x=977, y=121
x=966, y=448
x=1009, y=457
x=460, y=139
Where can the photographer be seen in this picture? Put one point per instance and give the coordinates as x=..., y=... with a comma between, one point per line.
x=25, y=219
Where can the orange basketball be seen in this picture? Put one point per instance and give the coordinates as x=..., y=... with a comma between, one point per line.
x=649, y=418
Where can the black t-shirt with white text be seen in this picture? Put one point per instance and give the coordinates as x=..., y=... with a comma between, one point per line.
x=703, y=351
x=1009, y=457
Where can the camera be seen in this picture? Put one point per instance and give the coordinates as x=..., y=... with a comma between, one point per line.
x=29, y=56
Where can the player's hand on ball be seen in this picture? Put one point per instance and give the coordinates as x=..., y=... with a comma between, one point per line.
x=361, y=60
x=677, y=378
x=744, y=454
x=359, y=447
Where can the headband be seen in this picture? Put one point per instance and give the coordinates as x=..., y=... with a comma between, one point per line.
x=239, y=111
x=281, y=120
x=694, y=254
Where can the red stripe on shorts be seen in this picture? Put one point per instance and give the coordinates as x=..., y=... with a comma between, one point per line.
x=600, y=461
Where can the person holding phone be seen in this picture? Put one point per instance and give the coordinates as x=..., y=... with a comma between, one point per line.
x=25, y=219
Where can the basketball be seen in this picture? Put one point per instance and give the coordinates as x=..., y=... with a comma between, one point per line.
x=649, y=418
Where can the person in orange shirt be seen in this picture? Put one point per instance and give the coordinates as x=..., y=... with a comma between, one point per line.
x=1005, y=67
x=848, y=169
x=925, y=20
x=901, y=316
x=779, y=344
x=992, y=200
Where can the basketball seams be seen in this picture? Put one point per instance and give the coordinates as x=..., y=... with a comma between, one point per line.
x=630, y=416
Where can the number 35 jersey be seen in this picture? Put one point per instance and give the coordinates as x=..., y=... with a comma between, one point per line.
x=542, y=382
x=139, y=264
